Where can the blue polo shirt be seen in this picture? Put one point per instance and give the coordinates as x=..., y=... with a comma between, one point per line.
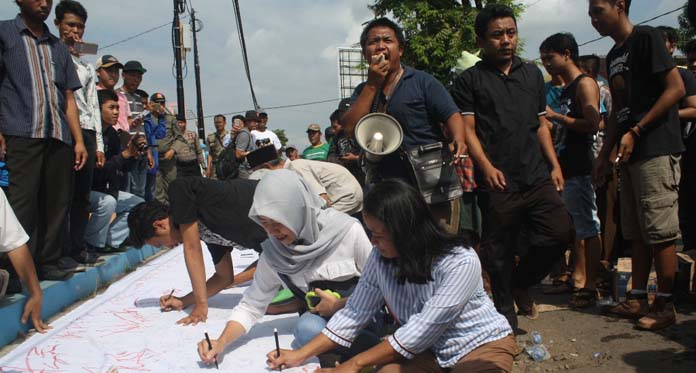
x=35, y=73
x=420, y=103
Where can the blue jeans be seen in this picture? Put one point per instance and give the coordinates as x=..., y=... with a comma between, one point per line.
x=137, y=177
x=580, y=200
x=101, y=231
x=310, y=325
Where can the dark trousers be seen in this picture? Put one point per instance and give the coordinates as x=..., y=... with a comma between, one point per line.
x=79, y=210
x=541, y=214
x=41, y=185
x=150, y=182
x=186, y=169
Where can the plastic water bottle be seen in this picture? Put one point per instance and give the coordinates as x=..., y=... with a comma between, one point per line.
x=538, y=351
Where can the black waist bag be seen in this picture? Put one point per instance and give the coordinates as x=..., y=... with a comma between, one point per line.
x=434, y=175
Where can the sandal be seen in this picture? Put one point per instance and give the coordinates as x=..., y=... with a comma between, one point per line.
x=559, y=287
x=583, y=298
x=525, y=304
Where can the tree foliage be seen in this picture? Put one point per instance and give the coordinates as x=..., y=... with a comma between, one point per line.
x=281, y=136
x=436, y=31
x=686, y=31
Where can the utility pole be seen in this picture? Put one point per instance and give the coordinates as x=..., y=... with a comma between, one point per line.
x=197, y=68
x=176, y=26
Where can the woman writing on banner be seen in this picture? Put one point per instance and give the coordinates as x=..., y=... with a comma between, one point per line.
x=432, y=286
x=308, y=249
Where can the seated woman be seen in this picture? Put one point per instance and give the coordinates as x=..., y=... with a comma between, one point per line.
x=432, y=286
x=308, y=248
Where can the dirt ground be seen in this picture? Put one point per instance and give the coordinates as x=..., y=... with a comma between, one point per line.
x=586, y=341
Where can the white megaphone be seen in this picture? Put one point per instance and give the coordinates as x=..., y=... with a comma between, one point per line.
x=378, y=134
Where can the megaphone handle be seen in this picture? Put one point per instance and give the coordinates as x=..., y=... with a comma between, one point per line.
x=377, y=99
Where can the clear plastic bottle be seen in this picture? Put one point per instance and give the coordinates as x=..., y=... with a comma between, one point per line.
x=537, y=351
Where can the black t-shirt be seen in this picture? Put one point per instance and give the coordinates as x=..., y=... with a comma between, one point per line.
x=507, y=110
x=635, y=70
x=575, y=154
x=222, y=206
x=688, y=127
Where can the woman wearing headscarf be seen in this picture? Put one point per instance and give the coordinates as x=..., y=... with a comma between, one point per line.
x=308, y=249
x=432, y=286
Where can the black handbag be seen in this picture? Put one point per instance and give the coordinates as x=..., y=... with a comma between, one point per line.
x=434, y=174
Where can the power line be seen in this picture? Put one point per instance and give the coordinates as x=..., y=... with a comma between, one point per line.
x=137, y=35
x=242, y=43
x=639, y=23
x=279, y=107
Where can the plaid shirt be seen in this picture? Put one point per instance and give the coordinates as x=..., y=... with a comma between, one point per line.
x=466, y=174
x=35, y=74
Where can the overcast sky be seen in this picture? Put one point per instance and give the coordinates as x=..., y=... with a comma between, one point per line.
x=291, y=48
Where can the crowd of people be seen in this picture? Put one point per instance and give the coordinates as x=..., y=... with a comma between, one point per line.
x=387, y=267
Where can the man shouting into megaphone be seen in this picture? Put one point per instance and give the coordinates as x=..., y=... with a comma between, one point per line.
x=421, y=105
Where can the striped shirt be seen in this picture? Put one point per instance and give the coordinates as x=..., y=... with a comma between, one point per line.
x=35, y=74
x=87, y=101
x=450, y=316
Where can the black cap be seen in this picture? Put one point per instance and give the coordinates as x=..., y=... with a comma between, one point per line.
x=158, y=97
x=262, y=155
x=343, y=106
x=134, y=66
x=251, y=115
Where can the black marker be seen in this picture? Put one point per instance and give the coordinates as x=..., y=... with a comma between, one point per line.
x=275, y=334
x=210, y=347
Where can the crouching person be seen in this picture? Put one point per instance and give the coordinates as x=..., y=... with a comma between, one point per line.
x=102, y=234
x=308, y=249
x=432, y=286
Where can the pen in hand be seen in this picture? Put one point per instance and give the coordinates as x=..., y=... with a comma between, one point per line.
x=275, y=334
x=210, y=347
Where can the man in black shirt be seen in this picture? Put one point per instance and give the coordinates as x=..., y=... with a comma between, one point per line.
x=503, y=101
x=644, y=124
x=578, y=114
x=201, y=209
x=687, y=116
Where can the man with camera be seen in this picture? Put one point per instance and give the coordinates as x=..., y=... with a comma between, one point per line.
x=106, y=198
x=419, y=103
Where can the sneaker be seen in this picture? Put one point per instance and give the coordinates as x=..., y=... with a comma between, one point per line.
x=634, y=307
x=51, y=272
x=67, y=263
x=661, y=315
x=87, y=257
x=4, y=281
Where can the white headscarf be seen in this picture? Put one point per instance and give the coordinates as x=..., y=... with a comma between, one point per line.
x=283, y=196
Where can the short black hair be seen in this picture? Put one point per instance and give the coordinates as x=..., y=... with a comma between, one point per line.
x=104, y=95
x=489, y=13
x=669, y=33
x=240, y=117
x=289, y=150
x=590, y=62
x=142, y=93
x=417, y=236
x=224, y=119
x=559, y=43
x=263, y=114
x=690, y=47
x=335, y=116
x=141, y=220
x=382, y=22
x=72, y=7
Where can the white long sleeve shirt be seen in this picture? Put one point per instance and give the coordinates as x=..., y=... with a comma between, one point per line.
x=346, y=262
x=87, y=100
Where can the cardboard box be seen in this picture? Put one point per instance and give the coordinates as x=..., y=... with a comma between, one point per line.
x=622, y=280
x=686, y=272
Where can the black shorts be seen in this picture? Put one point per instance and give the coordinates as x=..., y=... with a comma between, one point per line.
x=218, y=251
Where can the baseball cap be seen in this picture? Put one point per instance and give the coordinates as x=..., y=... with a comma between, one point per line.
x=107, y=61
x=314, y=127
x=134, y=66
x=158, y=97
x=251, y=115
x=343, y=106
